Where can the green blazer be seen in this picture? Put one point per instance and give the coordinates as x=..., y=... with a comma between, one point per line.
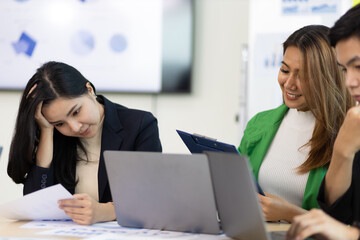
x=258, y=135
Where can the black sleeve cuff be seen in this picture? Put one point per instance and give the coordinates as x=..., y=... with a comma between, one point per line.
x=38, y=178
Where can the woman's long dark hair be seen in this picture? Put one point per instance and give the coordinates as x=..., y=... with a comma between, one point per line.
x=52, y=80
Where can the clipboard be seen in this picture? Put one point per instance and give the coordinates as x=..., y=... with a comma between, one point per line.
x=197, y=143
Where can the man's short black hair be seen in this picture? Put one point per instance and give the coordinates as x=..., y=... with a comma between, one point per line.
x=348, y=25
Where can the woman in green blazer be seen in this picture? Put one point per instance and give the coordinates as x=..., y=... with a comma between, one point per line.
x=290, y=147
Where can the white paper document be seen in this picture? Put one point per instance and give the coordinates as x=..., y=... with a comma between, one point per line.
x=111, y=231
x=160, y=235
x=50, y=224
x=39, y=205
x=124, y=233
x=25, y=238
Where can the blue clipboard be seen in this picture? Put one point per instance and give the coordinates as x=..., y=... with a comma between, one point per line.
x=197, y=143
x=0, y=150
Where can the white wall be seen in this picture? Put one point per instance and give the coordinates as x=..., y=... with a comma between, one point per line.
x=221, y=29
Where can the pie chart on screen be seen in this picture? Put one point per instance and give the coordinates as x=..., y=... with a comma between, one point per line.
x=82, y=43
x=118, y=43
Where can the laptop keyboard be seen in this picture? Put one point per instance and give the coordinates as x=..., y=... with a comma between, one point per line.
x=278, y=235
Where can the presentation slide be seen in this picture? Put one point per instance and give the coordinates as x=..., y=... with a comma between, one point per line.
x=115, y=44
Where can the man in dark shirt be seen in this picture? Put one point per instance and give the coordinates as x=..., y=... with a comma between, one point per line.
x=339, y=195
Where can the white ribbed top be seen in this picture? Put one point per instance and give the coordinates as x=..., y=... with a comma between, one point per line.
x=277, y=174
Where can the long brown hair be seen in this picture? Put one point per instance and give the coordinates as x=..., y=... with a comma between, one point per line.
x=324, y=89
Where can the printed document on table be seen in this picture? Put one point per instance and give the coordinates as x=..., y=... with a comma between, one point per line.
x=39, y=205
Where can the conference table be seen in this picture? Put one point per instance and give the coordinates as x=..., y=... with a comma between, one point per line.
x=10, y=229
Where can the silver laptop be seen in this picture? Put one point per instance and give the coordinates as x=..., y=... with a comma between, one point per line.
x=162, y=191
x=184, y=192
x=239, y=209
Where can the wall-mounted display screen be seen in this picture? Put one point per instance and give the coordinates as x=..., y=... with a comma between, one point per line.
x=119, y=45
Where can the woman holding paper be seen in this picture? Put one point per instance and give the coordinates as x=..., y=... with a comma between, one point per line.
x=290, y=147
x=61, y=131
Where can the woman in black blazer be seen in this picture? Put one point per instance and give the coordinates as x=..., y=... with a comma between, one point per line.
x=63, y=128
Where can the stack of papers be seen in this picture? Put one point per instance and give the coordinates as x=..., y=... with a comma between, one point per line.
x=111, y=231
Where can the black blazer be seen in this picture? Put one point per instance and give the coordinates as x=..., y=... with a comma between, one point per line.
x=124, y=129
x=347, y=208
